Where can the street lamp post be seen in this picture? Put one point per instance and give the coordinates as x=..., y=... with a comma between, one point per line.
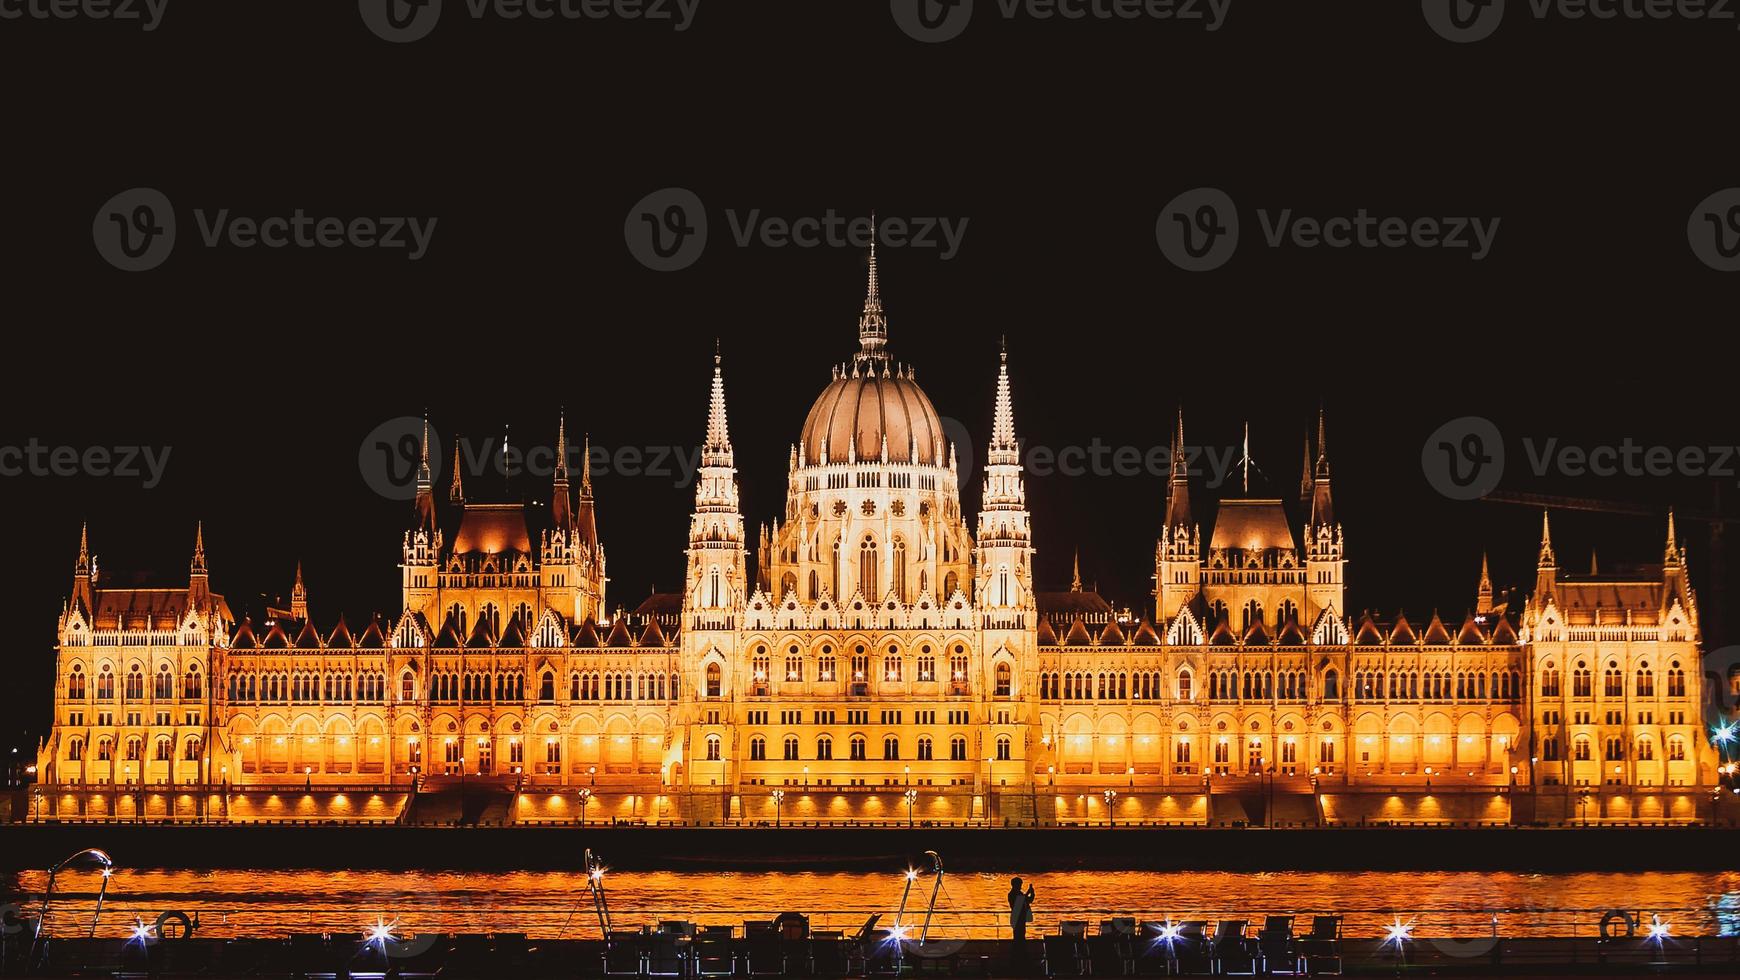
x=778, y=806
x=911, y=798
x=1111, y=818
x=585, y=798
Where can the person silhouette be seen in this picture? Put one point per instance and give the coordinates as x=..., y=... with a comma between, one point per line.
x=1020, y=913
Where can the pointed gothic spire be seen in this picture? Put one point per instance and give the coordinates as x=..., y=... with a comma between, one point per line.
x=1483, y=592
x=1322, y=500
x=586, y=517
x=718, y=445
x=299, y=597
x=872, y=323
x=1305, y=475
x=1594, y=563
x=424, y=501
x=198, y=566
x=1075, y=582
x=1004, y=449
x=1547, y=559
x=85, y=546
x=1178, y=492
x=83, y=597
x=423, y=475
x=586, y=467
x=456, y=489
x=1672, y=555
x=562, y=448
x=1322, y=446
x=561, y=513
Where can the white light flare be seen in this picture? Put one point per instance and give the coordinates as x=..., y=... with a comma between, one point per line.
x=1399, y=932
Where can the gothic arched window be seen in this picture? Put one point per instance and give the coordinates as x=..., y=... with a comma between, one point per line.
x=867, y=568
x=897, y=571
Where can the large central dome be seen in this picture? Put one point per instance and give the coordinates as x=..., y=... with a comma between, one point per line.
x=858, y=410
x=872, y=401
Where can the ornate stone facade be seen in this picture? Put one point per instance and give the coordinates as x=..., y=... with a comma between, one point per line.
x=884, y=655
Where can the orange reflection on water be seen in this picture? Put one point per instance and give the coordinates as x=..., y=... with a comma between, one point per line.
x=548, y=904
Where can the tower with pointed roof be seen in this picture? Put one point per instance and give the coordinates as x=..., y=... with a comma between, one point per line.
x=715, y=593
x=421, y=548
x=299, y=597
x=1178, y=554
x=1325, y=557
x=1004, y=594
x=198, y=579
x=572, y=562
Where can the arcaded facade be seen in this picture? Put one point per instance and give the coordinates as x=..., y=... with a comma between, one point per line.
x=879, y=652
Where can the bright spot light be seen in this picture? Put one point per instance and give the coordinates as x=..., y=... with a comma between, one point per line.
x=1726, y=733
x=381, y=932
x=897, y=934
x=597, y=874
x=1168, y=932
x=911, y=874
x=1398, y=932
x=140, y=932
x=1659, y=930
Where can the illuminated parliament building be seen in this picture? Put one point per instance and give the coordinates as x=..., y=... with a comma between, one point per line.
x=880, y=654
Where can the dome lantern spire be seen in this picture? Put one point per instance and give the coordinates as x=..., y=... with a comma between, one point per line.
x=873, y=322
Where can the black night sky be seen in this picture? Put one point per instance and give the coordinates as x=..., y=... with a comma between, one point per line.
x=264, y=370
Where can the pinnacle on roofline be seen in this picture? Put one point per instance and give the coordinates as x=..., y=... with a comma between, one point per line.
x=586, y=467
x=1547, y=558
x=423, y=473
x=198, y=567
x=561, y=474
